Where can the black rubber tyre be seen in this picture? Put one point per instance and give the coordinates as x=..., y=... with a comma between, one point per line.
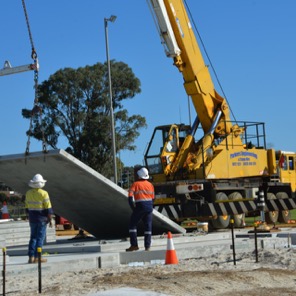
x=284, y=216
x=271, y=217
x=239, y=219
x=221, y=222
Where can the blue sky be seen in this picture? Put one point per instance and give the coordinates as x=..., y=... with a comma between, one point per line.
x=251, y=43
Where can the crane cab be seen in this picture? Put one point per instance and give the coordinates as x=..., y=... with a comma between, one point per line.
x=286, y=167
x=164, y=147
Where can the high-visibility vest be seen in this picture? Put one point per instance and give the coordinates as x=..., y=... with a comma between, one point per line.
x=37, y=200
x=141, y=190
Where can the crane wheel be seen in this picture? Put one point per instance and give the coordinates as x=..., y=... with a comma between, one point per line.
x=284, y=216
x=239, y=219
x=272, y=216
x=221, y=222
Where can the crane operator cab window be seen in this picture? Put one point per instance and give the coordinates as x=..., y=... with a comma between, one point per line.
x=153, y=152
x=291, y=163
x=287, y=162
x=164, y=140
x=164, y=146
x=172, y=144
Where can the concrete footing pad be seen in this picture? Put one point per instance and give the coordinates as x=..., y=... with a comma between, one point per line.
x=109, y=254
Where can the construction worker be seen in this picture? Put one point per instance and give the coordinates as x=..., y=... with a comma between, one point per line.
x=39, y=211
x=140, y=198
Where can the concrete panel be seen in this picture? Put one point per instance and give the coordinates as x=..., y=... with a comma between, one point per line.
x=78, y=193
x=17, y=233
x=2, y=243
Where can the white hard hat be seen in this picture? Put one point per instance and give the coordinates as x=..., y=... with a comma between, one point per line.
x=37, y=178
x=143, y=173
x=37, y=181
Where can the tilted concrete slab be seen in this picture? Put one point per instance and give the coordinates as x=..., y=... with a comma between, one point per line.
x=78, y=193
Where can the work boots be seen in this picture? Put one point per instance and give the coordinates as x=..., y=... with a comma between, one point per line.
x=31, y=260
x=43, y=260
x=35, y=260
x=132, y=248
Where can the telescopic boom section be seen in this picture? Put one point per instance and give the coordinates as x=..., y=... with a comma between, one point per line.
x=180, y=44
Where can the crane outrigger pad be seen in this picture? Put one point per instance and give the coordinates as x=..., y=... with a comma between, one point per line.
x=79, y=193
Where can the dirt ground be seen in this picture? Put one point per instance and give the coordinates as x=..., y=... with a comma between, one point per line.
x=273, y=275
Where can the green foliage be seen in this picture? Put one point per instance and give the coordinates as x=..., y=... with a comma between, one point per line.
x=17, y=200
x=126, y=177
x=75, y=104
x=293, y=214
x=3, y=197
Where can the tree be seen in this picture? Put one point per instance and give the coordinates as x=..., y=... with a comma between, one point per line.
x=75, y=104
x=126, y=177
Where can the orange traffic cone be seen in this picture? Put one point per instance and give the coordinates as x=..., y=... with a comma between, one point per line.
x=5, y=214
x=171, y=255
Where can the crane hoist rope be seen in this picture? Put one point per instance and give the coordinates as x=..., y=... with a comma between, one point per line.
x=37, y=110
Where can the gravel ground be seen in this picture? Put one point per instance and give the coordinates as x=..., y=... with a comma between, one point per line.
x=273, y=275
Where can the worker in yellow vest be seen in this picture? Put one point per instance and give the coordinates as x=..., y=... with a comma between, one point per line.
x=39, y=211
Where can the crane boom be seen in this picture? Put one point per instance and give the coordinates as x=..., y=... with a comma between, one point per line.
x=180, y=43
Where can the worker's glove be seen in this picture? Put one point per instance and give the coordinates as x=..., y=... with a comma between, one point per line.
x=131, y=203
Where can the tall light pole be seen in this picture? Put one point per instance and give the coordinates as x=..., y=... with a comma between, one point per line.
x=106, y=20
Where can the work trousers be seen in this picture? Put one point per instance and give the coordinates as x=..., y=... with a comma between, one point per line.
x=38, y=233
x=144, y=214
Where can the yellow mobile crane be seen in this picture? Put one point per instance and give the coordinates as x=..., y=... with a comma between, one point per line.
x=220, y=175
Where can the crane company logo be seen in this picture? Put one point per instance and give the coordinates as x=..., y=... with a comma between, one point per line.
x=244, y=158
x=243, y=154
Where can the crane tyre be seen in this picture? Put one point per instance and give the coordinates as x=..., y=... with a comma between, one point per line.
x=272, y=216
x=239, y=219
x=284, y=216
x=220, y=222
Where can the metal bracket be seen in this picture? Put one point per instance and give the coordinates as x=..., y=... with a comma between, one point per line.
x=8, y=69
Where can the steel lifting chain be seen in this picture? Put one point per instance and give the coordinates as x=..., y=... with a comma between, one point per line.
x=37, y=110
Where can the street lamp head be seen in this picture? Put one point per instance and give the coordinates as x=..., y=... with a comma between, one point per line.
x=112, y=18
